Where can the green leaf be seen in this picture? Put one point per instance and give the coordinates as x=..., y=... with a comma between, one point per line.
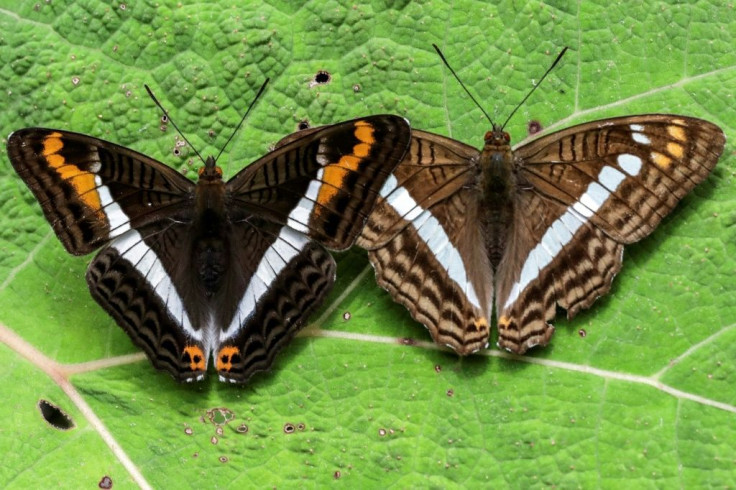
x=645, y=398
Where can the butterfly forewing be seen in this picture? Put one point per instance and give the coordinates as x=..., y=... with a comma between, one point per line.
x=334, y=173
x=550, y=229
x=646, y=164
x=91, y=190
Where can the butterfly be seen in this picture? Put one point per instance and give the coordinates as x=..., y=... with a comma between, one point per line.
x=231, y=269
x=460, y=231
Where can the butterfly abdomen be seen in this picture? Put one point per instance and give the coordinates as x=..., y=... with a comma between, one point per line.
x=210, y=248
x=497, y=189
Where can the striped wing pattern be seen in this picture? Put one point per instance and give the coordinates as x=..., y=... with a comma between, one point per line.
x=550, y=220
x=228, y=271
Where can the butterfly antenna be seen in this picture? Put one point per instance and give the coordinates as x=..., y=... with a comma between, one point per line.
x=258, y=96
x=444, y=60
x=153, y=97
x=554, y=63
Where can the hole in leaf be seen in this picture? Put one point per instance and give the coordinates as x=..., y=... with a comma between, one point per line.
x=55, y=416
x=322, y=77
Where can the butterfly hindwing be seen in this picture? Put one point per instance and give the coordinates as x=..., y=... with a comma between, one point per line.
x=425, y=250
x=288, y=281
x=551, y=217
x=137, y=279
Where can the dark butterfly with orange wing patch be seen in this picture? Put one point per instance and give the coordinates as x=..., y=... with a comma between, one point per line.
x=230, y=267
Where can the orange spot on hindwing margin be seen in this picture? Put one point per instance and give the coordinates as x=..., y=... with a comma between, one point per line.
x=82, y=181
x=225, y=358
x=195, y=357
x=480, y=324
x=334, y=174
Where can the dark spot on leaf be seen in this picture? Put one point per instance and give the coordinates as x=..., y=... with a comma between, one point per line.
x=75, y=80
x=123, y=6
x=165, y=119
x=300, y=426
x=211, y=133
x=381, y=432
x=533, y=127
x=223, y=459
x=242, y=429
x=106, y=482
x=289, y=428
x=302, y=125
x=188, y=431
x=582, y=332
x=437, y=368
x=195, y=455
x=356, y=88
x=407, y=341
x=337, y=475
x=214, y=440
x=450, y=392
x=177, y=152
x=219, y=430
x=55, y=416
x=322, y=77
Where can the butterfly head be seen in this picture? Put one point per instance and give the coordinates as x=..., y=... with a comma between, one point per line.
x=210, y=171
x=497, y=137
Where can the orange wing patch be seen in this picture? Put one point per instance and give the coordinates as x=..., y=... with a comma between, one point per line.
x=225, y=358
x=82, y=181
x=195, y=357
x=335, y=173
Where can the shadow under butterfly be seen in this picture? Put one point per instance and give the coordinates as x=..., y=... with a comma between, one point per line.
x=459, y=230
x=231, y=268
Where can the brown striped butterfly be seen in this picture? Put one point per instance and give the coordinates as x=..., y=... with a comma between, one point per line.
x=230, y=268
x=460, y=230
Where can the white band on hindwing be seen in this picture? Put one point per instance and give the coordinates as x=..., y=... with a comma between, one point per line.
x=288, y=245
x=131, y=247
x=562, y=231
x=432, y=234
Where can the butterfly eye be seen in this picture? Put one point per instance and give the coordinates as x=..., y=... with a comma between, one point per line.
x=506, y=137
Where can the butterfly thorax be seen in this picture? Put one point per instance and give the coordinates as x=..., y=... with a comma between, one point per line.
x=496, y=164
x=210, y=229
